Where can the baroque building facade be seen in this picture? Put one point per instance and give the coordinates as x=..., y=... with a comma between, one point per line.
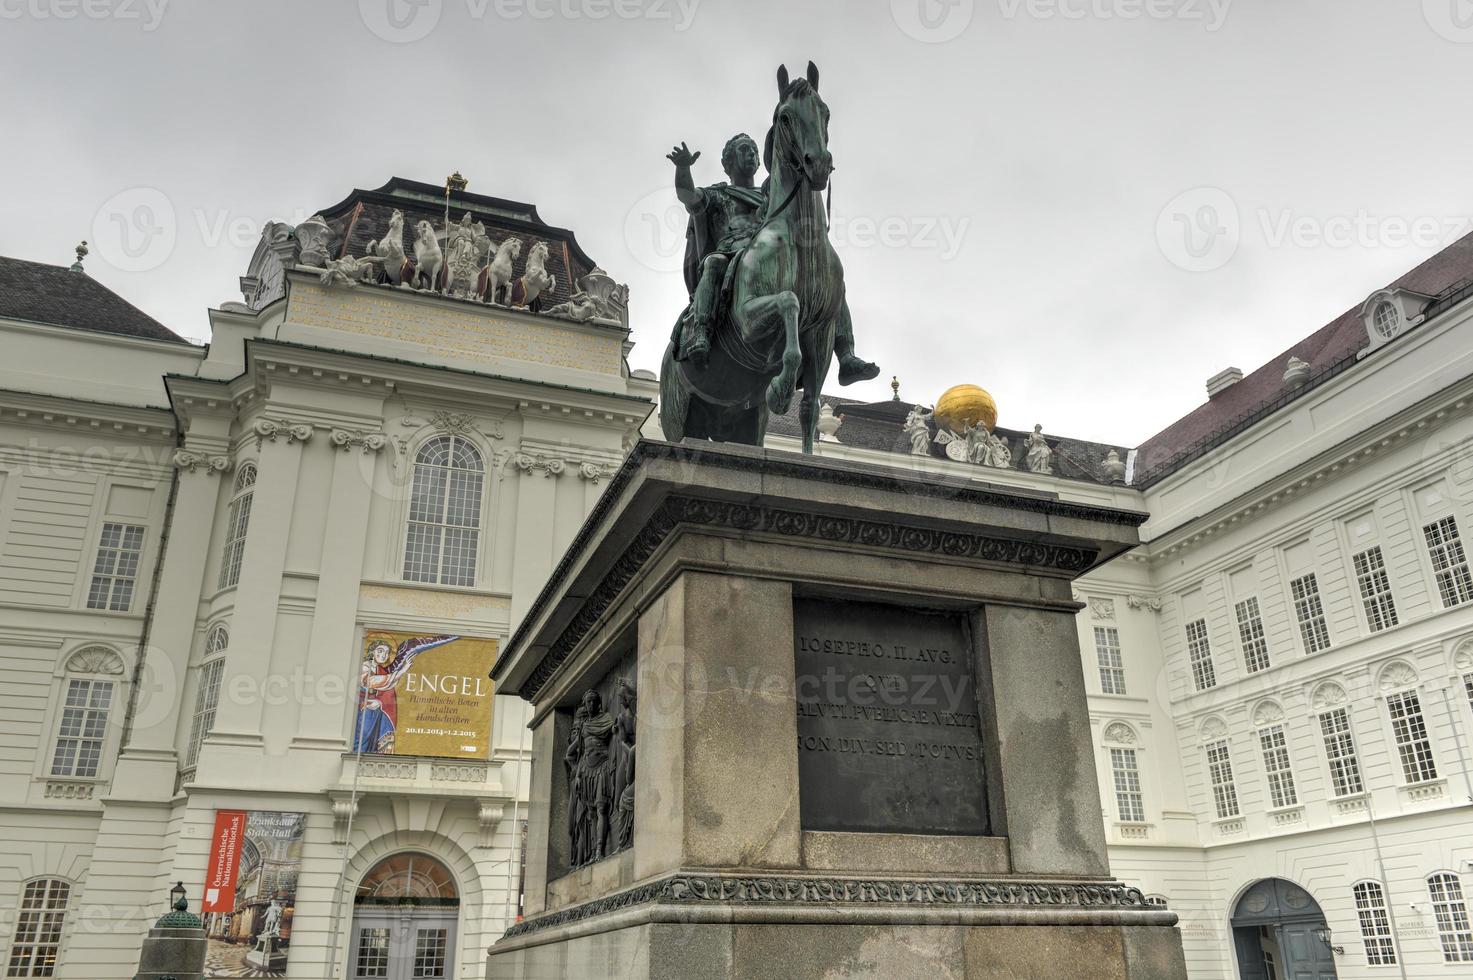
x=205, y=550
x=226, y=571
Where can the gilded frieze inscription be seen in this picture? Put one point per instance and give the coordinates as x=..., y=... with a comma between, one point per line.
x=459, y=332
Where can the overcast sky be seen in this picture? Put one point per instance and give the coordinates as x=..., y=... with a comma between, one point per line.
x=1086, y=206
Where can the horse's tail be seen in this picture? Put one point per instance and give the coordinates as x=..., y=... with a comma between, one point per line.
x=674, y=398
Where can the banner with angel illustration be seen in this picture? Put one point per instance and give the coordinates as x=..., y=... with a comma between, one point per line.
x=425, y=695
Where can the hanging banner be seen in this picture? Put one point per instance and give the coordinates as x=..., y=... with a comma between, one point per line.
x=424, y=695
x=250, y=891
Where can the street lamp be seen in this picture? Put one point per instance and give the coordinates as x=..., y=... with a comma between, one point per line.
x=1324, y=935
x=177, y=898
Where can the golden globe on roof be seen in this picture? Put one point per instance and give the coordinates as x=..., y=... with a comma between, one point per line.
x=964, y=406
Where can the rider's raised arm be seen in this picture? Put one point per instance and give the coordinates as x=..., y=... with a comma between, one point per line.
x=685, y=185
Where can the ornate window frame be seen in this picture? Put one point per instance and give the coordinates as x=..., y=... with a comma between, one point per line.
x=403, y=491
x=84, y=661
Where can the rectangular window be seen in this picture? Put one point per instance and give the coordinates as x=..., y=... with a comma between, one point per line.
x=1310, y=612
x=1468, y=688
x=1199, y=651
x=1112, y=666
x=1449, y=562
x=1220, y=771
x=1250, y=632
x=206, y=700
x=83, y=728
x=1340, y=751
x=1128, y=798
x=118, y=552
x=1375, y=590
x=1412, y=743
x=1276, y=764
x=1375, y=924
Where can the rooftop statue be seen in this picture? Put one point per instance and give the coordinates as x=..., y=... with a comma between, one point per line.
x=768, y=313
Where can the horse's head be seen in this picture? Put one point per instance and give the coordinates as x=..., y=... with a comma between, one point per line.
x=800, y=129
x=396, y=221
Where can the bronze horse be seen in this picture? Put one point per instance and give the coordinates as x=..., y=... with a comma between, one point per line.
x=787, y=303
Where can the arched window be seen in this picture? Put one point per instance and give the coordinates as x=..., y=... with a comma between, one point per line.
x=236, y=524
x=445, y=513
x=36, y=947
x=1451, y=912
x=1375, y=924
x=89, y=694
x=207, y=693
x=408, y=879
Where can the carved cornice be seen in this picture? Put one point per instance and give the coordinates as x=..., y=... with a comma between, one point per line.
x=756, y=519
x=269, y=430
x=194, y=462
x=748, y=890
x=370, y=443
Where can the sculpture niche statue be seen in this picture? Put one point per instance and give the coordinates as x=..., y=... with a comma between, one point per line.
x=600, y=762
x=768, y=312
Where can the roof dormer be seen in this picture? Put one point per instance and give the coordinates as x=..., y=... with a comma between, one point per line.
x=1389, y=313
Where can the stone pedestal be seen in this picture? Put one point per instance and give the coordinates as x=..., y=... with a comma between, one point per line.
x=267, y=954
x=174, y=949
x=850, y=705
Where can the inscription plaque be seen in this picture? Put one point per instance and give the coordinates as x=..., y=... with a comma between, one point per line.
x=889, y=728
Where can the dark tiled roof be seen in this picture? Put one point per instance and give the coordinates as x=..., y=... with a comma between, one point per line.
x=56, y=295
x=1328, y=351
x=880, y=426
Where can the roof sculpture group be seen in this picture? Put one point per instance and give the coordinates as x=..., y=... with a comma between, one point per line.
x=768, y=312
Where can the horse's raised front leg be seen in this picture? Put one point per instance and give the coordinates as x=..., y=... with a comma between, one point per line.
x=779, y=309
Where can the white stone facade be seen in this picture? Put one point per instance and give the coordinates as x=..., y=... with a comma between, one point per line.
x=294, y=438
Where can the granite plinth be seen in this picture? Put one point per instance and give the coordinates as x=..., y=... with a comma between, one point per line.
x=862, y=738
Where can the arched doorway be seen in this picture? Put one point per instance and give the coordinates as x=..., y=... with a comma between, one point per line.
x=1276, y=933
x=404, y=917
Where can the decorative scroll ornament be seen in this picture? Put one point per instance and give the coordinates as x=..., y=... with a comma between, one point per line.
x=191, y=462
x=269, y=430
x=1102, y=608
x=1120, y=733
x=547, y=465
x=369, y=442
x=488, y=816
x=594, y=473
x=1151, y=602
x=94, y=660
x=1463, y=658
x=344, y=809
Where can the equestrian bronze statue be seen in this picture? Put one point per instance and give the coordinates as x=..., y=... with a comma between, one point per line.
x=767, y=311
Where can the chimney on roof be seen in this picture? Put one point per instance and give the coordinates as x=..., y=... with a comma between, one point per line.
x=1222, y=381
